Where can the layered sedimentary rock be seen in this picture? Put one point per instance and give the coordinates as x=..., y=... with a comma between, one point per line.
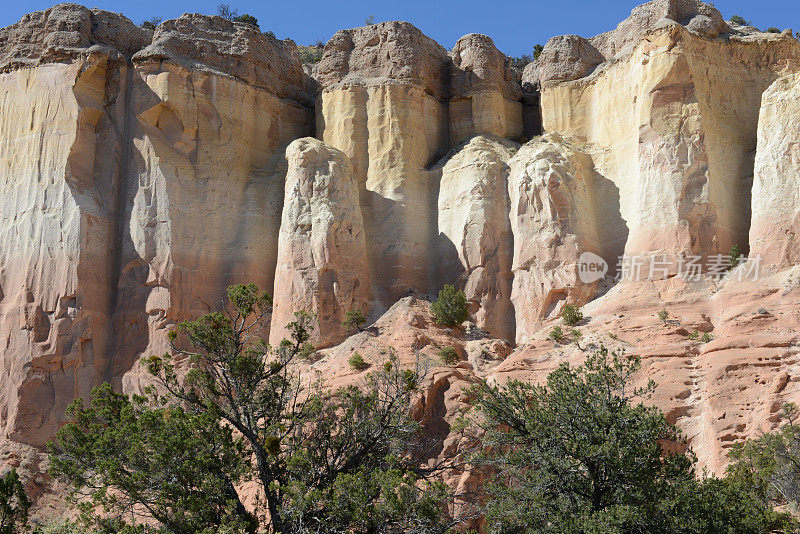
x=485, y=92
x=213, y=106
x=62, y=122
x=554, y=197
x=474, y=245
x=672, y=124
x=129, y=178
x=143, y=173
x=322, y=262
x=366, y=108
x=776, y=190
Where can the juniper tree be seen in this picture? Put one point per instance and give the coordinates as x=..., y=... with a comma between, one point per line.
x=326, y=461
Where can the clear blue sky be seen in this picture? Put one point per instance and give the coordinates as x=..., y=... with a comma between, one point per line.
x=515, y=25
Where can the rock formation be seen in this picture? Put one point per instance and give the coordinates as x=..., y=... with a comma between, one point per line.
x=133, y=170
x=62, y=115
x=486, y=96
x=676, y=145
x=474, y=245
x=144, y=172
x=553, y=194
x=322, y=263
x=775, y=212
x=204, y=185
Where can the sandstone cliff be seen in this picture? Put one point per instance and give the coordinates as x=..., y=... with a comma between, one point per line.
x=143, y=173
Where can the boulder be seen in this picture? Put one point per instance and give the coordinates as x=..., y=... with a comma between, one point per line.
x=567, y=57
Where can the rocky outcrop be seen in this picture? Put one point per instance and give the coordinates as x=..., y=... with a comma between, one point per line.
x=61, y=133
x=144, y=172
x=567, y=57
x=205, y=174
x=218, y=47
x=365, y=106
x=322, y=265
x=698, y=17
x=673, y=126
x=775, y=209
x=554, y=203
x=485, y=96
x=474, y=245
x=130, y=177
x=67, y=32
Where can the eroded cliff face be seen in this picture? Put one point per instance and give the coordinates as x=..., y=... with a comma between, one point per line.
x=213, y=106
x=133, y=168
x=63, y=125
x=143, y=173
x=673, y=125
x=773, y=234
x=322, y=268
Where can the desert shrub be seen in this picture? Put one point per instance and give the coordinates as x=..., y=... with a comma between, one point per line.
x=576, y=336
x=735, y=255
x=151, y=23
x=694, y=336
x=14, y=504
x=307, y=351
x=773, y=29
x=571, y=315
x=663, y=315
x=450, y=309
x=537, y=51
x=581, y=452
x=736, y=19
x=556, y=334
x=357, y=362
x=310, y=54
x=706, y=337
x=354, y=320
x=247, y=19
x=448, y=356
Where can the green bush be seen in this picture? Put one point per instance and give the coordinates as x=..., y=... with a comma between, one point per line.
x=773, y=29
x=307, y=351
x=247, y=19
x=448, y=356
x=310, y=54
x=556, y=334
x=537, y=51
x=663, y=315
x=62, y=526
x=450, y=309
x=579, y=452
x=736, y=19
x=694, y=336
x=357, y=362
x=14, y=504
x=571, y=315
x=354, y=320
x=735, y=255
